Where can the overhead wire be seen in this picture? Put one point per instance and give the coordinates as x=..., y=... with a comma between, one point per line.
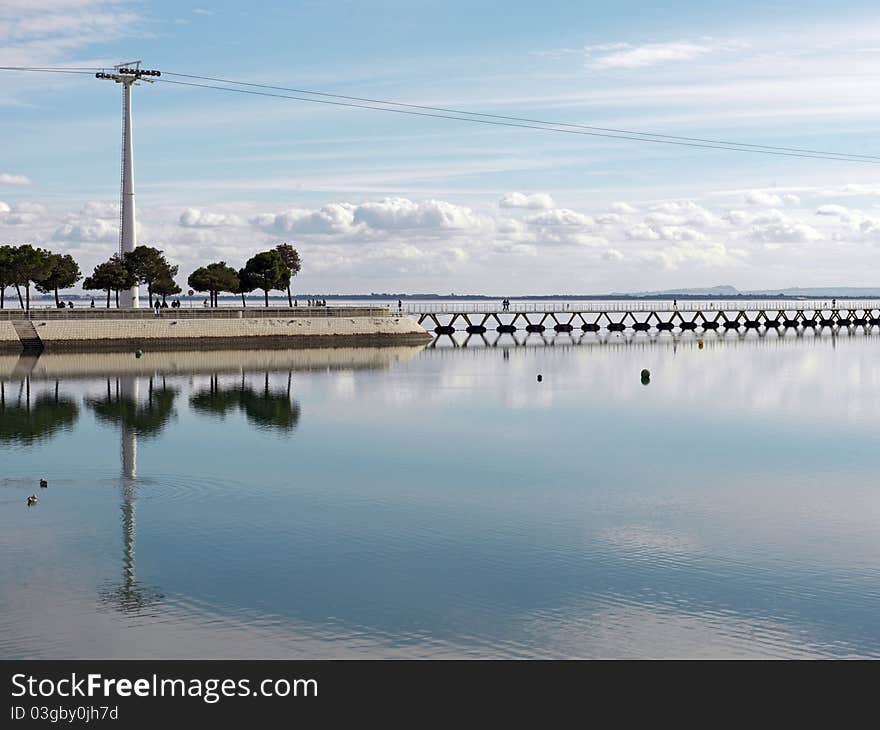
x=498, y=120
x=520, y=119
x=543, y=126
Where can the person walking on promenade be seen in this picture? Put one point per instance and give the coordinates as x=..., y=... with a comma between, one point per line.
x=399, y=305
x=158, y=306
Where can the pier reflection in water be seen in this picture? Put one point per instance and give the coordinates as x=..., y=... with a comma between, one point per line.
x=441, y=502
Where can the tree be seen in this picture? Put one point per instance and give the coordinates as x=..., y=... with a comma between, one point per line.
x=148, y=265
x=244, y=286
x=214, y=278
x=266, y=271
x=112, y=275
x=166, y=288
x=29, y=264
x=62, y=272
x=291, y=259
x=6, y=273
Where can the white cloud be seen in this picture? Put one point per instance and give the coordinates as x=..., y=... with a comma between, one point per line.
x=402, y=214
x=561, y=217
x=622, y=208
x=333, y=218
x=763, y=197
x=712, y=254
x=98, y=230
x=39, y=31
x=831, y=209
x=534, y=201
x=195, y=218
x=624, y=56
x=20, y=214
x=612, y=254
x=10, y=179
x=775, y=227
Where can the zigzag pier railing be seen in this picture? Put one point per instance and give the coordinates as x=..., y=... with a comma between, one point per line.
x=618, y=316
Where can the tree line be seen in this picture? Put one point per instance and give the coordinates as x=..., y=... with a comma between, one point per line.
x=24, y=266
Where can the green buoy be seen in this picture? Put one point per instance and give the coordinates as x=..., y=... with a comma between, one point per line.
x=646, y=376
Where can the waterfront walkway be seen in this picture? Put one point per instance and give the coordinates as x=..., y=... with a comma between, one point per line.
x=617, y=316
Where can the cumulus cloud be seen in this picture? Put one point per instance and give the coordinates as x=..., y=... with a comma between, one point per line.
x=762, y=197
x=333, y=218
x=98, y=230
x=561, y=217
x=835, y=210
x=709, y=254
x=195, y=218
x=7, y=178
x=612, y=254
x=776, y=227
x=622, y=208
x=686, y=213
x=674, y=221
x=402, y=214
x=22, y=213
x=534, y=201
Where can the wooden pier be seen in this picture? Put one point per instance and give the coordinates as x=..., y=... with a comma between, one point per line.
x=644, y=316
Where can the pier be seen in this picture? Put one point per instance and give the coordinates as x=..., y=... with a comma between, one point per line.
x=618, y=316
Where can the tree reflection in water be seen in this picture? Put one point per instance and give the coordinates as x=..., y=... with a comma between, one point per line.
x=264, y=407
x=122, y=408
x=26, y=421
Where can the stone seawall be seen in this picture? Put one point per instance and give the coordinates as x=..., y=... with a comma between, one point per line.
x=9, y=341
x=167, y=332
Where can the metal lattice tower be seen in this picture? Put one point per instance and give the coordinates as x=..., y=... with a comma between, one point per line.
x=128, y=74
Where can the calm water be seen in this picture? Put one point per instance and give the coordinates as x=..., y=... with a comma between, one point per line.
x=440, y=502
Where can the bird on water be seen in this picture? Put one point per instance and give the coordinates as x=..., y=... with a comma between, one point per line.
x=43, y=483
x=32, y=500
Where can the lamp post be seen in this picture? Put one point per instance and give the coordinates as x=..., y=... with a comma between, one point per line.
x=127, y=74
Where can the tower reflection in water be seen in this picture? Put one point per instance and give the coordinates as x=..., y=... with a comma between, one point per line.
x=123, y=406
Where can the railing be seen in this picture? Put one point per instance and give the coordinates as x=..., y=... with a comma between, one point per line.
x=747, y=305
x=194, y=313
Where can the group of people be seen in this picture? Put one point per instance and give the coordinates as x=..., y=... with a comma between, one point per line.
x=69, y=305
x=175, y=304
x=313, y=303
x=505, y=304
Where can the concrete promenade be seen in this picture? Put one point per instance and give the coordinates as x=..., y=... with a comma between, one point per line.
x=227, y=327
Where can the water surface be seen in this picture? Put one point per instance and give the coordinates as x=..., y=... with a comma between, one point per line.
x=441, y=502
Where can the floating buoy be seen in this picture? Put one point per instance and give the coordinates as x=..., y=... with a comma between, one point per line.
x=646, y=376
x=138, y=353
x=43, y=483
x=540, y=377
x=700, y=344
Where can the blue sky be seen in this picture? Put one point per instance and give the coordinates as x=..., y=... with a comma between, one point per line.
x=385, y=202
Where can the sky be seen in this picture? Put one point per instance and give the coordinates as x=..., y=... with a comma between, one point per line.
x=381, y=202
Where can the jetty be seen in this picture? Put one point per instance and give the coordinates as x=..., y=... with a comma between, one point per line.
x=205, y=328
x=618, y=316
